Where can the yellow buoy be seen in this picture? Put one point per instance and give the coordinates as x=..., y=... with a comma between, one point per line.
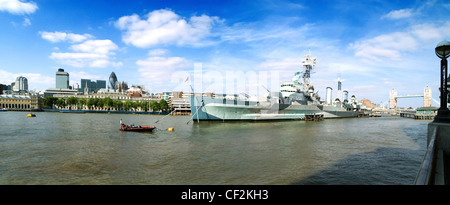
x=170, y=129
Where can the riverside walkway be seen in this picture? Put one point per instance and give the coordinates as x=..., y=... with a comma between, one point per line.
x=435, y=168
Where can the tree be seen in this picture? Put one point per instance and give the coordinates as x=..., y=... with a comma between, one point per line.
x=100, y=103
x=163, y=105
x=135, y=105
x=108, y=102
x=154, y=105
x=60, y=102
x=144, y=106
x=90, y=103
x=82, y=102
x=118, y=104
x=72, y=100
x=127, y=105
x=50, y=101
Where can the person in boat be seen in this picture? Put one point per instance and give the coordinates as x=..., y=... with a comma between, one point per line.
x=121, y=123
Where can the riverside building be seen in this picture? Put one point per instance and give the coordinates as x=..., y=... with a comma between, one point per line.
x=102, y=94
x=21, y=102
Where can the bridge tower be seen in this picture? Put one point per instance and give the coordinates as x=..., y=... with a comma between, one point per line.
x=427, y=97
x=393, y=99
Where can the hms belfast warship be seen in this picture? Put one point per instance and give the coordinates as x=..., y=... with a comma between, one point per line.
x=296, y=100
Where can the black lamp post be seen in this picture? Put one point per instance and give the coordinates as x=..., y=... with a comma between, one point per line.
x=443, y=52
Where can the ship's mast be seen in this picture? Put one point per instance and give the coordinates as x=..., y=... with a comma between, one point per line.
x=340, y=88
x=308, y=65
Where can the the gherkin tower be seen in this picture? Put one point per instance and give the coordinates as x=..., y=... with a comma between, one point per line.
x=112, y=81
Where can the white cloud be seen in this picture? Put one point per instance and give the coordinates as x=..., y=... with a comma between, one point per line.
x=157, y=71
x=92, y=60
x=88, y=53
x=161, y=63
x=91, y=53
x=18, y=7
x=77, y=59
x=393, y=46
x=249, y=32
x=165, y=27
x=83, y=75
x=26, y=22
x=429, y=32
x=96, y=46
x=158, y=52
x=57, y=36
x=286, y=67
x=398, y=14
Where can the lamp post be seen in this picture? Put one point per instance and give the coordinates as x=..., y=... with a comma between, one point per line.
x=443, y=52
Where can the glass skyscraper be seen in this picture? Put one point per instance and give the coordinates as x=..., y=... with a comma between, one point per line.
x=92, y=85
x=112, y=81
x=21, y=84
x=62, y=79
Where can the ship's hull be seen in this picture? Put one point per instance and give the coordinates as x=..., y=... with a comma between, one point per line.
x=336, y=112
x=213, y=109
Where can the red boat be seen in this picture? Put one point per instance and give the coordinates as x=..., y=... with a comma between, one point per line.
x=136, y=128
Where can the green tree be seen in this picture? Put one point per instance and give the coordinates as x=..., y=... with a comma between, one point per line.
x=82, y=102
x=135, y=105
x=72, y=101
x=154, y=105
x=90, y=103
x=60, y=103
x=50, y=101
x=144, y=106
x=118, y=104
x=100, y=103
x=127, y=105
x=108, y=102
x=163, y=105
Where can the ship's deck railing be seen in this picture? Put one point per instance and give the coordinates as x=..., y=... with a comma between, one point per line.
x=427, y=170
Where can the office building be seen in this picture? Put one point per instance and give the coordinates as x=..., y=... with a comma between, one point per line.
x=112, y=81
x=62, y=79
x=21, y=84
x=92, y=85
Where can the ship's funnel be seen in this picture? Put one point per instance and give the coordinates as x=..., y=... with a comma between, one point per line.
x=345, y=95
x=329, y=92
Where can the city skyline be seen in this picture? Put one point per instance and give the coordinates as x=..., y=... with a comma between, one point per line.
x=374, y=46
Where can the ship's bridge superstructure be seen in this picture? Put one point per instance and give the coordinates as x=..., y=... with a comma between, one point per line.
x=300, y=88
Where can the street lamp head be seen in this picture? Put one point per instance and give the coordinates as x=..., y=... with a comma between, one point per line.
x=443, y=49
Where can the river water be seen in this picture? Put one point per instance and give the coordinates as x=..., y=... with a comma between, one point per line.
x=64, y=148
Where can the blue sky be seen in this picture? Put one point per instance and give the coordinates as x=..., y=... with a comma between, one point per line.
x=374, y=46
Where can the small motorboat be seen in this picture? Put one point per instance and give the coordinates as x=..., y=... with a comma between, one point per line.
x=31, y=115
x=136, y=128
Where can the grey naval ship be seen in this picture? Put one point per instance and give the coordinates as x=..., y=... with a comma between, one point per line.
x=295, y=101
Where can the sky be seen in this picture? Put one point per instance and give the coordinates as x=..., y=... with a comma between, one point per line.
x=373, y=46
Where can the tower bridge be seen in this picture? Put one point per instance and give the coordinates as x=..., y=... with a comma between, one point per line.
x=426, y=98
